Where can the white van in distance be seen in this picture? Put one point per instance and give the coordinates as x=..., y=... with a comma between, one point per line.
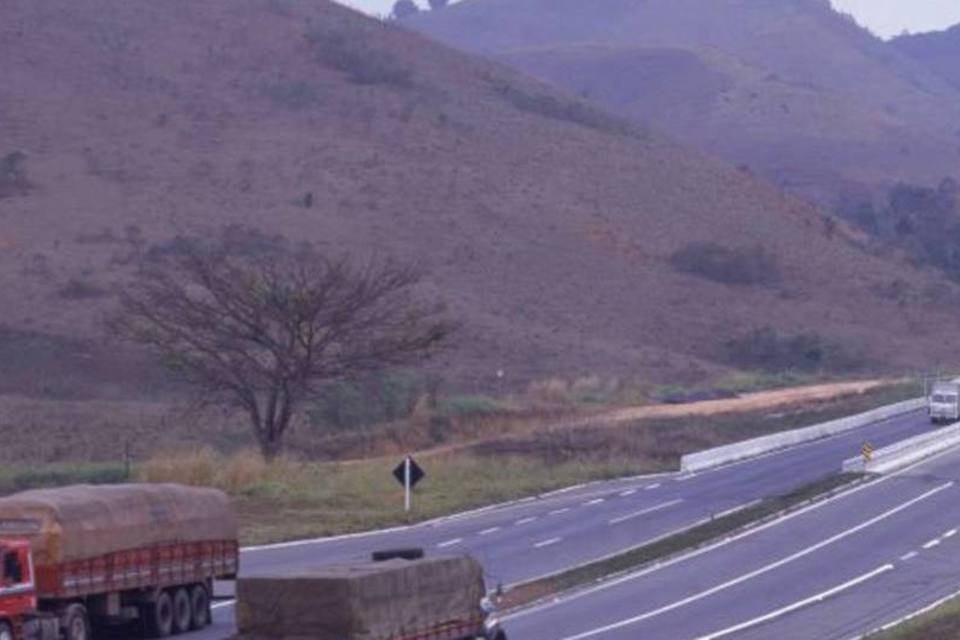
x=944, y=402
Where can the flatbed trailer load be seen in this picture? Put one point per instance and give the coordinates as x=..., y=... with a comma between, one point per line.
x=438, y=598
x=80, y=558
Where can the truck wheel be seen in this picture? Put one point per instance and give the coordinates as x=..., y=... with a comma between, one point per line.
x=182, y=615
x=199, y=607
x=158, y=616
x=75, y=623
x=5, y=632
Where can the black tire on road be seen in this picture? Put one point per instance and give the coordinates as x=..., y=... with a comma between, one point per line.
x=199, y=607
x=158, y=616
x=411, y=553
x=182, y=613
x=76, y=625
x=5, y=632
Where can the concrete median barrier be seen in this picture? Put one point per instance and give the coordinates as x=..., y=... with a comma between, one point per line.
x=906, y=452
x=758, y=446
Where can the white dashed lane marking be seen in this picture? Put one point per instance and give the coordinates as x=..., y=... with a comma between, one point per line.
x=449, y=543
x=546, y=543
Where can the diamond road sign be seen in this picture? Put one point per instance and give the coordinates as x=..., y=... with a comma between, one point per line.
x=416, y=473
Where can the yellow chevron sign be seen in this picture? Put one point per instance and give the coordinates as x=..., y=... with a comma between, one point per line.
x=867, y=451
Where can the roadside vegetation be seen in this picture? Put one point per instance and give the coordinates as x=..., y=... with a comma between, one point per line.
x=289, y=498
x=942, y=623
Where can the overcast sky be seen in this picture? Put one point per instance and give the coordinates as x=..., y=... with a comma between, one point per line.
x=884, y=17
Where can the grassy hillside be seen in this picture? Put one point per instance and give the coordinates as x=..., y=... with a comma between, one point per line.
x=939, y=51
x=568, y=240
x=792, y=89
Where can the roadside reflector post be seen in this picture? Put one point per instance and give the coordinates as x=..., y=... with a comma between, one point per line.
x=406, y=484
x=408, y=473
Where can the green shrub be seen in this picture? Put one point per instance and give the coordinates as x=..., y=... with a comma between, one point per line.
x=563, y=109
x=350, y=53
x=728, y=265
x=61, y=476
x=380, y=398
x=78, y=289
x=293, y=95
x=13, y=175
x=468, y=405
x=767, y=350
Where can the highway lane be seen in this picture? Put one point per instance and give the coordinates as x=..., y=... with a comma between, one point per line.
x=541, y=536
x=832, y=571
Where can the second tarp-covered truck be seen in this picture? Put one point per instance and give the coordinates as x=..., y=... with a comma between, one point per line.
x=440, y=598
x=78, y=559
x=944, y=402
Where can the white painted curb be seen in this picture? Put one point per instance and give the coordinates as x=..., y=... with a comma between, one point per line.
x=906, y=452
x=765, y=444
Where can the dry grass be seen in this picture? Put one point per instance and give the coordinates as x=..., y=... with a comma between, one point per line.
x=943, y=623
x=289, y=499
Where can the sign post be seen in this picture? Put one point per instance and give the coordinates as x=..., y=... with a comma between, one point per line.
x=408, y=473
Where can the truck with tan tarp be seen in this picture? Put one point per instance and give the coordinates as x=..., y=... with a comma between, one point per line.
x=440, y=598
x=76, y=559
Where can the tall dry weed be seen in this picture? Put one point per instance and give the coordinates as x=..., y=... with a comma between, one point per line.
x=236, y=473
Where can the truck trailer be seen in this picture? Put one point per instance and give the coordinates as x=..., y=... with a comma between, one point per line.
x=441, y=598
x=76, y=560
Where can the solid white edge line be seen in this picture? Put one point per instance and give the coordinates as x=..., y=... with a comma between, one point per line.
x=709, y=548
x=643, y=512
x=910, y=616
x=820, y=597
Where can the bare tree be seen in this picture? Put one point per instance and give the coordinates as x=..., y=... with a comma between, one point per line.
x=437, y=5
x=263, y=330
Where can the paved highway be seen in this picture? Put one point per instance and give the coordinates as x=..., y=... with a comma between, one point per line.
x=830, y=572
x=536, y=537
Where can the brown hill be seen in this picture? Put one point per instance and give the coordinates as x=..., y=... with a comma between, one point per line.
x=939, y=51
x=793, y=89
x=568, y=241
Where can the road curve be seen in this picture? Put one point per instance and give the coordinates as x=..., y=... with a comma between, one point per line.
x=541, y=536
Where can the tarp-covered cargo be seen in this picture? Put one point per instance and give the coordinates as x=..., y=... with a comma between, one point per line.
x=436, y=598
x=80, y=522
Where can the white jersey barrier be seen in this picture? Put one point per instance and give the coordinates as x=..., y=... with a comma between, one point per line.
x=906, y=452
x=765, y=444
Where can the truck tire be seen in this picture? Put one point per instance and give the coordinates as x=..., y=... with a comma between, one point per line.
x=412, y=553
x=199, y=607
x=158, y=616
x=182, y=614
x=76, y=625
x=5, y=632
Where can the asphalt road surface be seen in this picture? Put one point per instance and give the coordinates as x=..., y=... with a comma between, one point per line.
x=831, y=572
x=541, y=536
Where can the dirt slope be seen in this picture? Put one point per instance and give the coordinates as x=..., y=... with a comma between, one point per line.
x=791, y=88
x=550, y=227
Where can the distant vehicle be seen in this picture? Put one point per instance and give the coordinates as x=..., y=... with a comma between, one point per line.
x=944, y=402
x=400, y=595
x=78, y=559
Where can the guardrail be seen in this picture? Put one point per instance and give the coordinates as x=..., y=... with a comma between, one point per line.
x=765, y=444
x=906, y=452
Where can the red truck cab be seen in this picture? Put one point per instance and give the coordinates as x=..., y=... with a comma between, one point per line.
x=18, y=594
